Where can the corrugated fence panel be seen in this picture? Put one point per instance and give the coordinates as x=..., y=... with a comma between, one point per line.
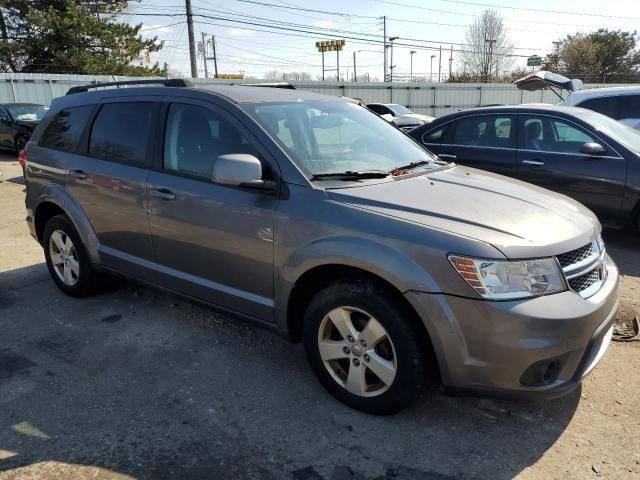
x=434, y=99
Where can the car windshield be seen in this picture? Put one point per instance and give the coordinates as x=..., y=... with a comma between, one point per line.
x=329, y=137
x=399, y=109
x=620, y=132
x=27, y=113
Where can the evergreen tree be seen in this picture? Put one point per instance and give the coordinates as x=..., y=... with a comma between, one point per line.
x=72, y=36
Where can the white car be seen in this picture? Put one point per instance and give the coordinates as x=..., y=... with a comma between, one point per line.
x=400, y=115
x=619, y=103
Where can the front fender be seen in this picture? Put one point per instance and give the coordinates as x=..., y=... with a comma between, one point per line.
x=381, y=260
x=56, y=194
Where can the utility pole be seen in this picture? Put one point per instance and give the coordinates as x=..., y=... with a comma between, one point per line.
x=355, y=78
x=192, y=41
x=451, y=61
x=440, y=64
x=490, y=41
x=431, y=70
x=215, y=57
x=391, y=65
x=411, y=53
x=338, y=64
x=384, y=30
x=204, y=56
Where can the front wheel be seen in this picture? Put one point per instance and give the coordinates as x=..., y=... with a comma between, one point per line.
x=365, y=346
x=20, y=142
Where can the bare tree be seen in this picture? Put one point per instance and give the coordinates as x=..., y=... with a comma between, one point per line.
x=488, y=49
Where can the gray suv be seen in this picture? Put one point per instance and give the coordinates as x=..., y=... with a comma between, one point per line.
x=315, y=218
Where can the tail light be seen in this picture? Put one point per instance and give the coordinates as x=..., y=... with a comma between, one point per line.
x=22, y=158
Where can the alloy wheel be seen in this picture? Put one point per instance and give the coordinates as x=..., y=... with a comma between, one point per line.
x=64, y=257
x=357, y=351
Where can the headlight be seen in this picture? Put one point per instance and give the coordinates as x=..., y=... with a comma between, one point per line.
x=503, y=279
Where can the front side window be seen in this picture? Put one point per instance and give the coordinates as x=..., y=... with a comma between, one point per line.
x=65, y=130
x=553, y=135
x=196, y=136
x=484, y=131
x=333, y=137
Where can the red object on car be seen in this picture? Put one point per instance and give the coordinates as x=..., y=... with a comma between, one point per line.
x=22, y=158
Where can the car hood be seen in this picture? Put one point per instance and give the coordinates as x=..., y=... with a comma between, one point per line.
x=418, y=116
x=519, y=219
x=30, y=125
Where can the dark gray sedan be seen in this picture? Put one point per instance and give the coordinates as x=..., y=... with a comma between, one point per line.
x=580, y=153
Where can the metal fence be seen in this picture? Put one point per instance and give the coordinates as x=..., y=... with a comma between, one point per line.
x=434, y=99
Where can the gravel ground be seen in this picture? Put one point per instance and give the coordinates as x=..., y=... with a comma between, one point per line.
x=136, y=384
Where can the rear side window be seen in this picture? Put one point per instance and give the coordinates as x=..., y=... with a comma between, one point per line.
x=121, y=133
x=484, y=131
x=618, y=107
x=65, y=130
x=603, y=105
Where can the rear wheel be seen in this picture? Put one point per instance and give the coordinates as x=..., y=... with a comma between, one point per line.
x=365, y=346
x=67, y=259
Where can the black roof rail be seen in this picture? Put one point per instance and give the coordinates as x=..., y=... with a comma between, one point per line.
x=167, y=82
x=268, y=85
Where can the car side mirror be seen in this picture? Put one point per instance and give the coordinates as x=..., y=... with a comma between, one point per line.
x=240, y=170
x=592, y=148
x=5, y=120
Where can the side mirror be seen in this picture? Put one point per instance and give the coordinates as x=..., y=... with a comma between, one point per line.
x=592, y=148
x=240, y=170
x=5, y=120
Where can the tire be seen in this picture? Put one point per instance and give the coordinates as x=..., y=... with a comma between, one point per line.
x=75, y=275
x=19, y=143
x=405, y=347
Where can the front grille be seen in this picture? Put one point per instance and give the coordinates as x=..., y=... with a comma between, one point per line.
x=584, y=281
x=575, y=256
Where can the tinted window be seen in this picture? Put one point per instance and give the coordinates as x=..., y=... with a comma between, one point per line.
x=434, y=136
x=552, y=135
x=64, y=131
x=196, y=136
x=121, y=133
x=603, y=105
x=484, y=131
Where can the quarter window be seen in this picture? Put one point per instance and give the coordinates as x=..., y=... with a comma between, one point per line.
x=484, y=131
x=196, y=136
x=121, y=133
x=65, y=130
x=434, y=136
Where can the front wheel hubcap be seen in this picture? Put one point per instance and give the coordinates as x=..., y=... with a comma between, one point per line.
x=64, y=258
x=349, y=335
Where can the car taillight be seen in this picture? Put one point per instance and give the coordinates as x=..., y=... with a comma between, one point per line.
x=22, y=158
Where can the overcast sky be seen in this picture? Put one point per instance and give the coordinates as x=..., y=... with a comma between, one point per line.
x=243, y=47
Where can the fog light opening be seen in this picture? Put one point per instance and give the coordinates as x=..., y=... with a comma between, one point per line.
x=543, y=373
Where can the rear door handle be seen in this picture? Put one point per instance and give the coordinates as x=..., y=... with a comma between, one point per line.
x=447, y=156
x=533, y=162
x=162, y=193
x=79, y=174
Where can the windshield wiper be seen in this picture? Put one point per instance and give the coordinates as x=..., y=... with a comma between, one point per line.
x=412, y=165
x=350, y=175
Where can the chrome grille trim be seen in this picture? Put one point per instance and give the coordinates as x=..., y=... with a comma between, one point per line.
x=586, y=275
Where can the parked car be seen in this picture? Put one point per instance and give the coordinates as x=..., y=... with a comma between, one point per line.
x=579, y=153
x=619, y=103
x=313, y=217
x=399, y=115
x=17, y=123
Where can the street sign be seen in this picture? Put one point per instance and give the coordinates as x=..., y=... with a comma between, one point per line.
x=330, y=46
x=230, y=76
x=534, y=61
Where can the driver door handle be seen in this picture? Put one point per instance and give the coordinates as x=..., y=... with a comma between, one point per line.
x=533, y=162
x=162, y=193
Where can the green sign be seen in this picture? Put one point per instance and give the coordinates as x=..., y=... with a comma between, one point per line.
x=534, y=61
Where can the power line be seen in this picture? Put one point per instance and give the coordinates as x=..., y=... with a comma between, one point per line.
x=561, y=12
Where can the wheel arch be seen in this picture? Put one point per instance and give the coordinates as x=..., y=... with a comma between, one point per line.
x=55, y=201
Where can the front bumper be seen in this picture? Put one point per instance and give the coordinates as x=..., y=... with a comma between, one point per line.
x=487, y=346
